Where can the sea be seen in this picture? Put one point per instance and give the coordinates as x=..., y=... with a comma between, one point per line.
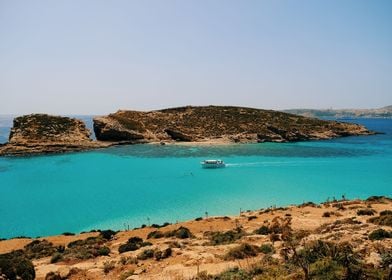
x=128, y=186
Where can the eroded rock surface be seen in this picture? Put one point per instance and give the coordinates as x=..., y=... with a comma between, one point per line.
x=230, y=124
x=41, y=133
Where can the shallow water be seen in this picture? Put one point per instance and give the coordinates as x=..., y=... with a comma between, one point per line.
x=134, y=185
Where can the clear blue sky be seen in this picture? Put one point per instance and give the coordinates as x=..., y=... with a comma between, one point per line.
x=94, y=57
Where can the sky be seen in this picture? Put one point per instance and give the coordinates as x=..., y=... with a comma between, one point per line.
x=95, y=57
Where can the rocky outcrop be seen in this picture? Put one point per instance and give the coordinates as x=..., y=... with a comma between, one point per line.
x=230, y=124
x=41, y=133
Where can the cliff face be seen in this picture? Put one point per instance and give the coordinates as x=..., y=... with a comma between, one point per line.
x=228, y=124
x=41, y=133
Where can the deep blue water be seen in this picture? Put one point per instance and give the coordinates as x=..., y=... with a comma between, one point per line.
x=131, y=185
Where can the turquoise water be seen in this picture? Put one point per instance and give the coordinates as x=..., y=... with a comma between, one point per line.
x=134, y=185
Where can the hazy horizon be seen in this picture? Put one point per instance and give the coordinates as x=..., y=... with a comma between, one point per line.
x=96, y=57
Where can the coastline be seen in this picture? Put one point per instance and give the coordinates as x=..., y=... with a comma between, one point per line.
x=196, y=254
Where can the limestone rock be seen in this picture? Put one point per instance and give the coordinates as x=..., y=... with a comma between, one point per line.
x=41, y=133
x=230, y=124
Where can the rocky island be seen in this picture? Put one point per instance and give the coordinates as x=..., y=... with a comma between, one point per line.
x=218, y=124
x=41, y=133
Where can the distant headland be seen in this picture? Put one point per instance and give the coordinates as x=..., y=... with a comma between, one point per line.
x=384, y=112
x=41, y=133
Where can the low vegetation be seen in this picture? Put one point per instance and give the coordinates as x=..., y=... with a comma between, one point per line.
x=133, y=244
x=220, y=238
x=367, y=212
x=380, y=234
x=181, y=232
x=242, y=251
x=16, y=265
x=384, y=219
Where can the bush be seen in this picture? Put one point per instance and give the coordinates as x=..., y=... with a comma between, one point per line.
x=181, y=232
x=155, y=234
x=385, y=218
x=146, y=254
x=39, y=249
x=380, y=234
x=68, y=233
x=326, y=269
x=242, y=251
x=56, y=257
x=266, y=248
x=160, y=255
x=326, y=214
x=250, y=218
x=219, y=238
x=90, y=247
x=107, y=234
x=16, y=265
x=263, y=230
x=366, y=212
x=198, y=219
x=104, y=251
x=133, y=244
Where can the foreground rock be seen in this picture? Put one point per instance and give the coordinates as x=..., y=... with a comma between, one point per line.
x=41, y=133
x=211, y=123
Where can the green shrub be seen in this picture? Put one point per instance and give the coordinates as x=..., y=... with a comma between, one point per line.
x=263, y=230
x=326, y=269
x=181, y=232
x=266, y=248
x=39, y=249
x=16, y=265
x=219, y=238
x=90, y=247
x=242, y=251
x=380, y=234
x=68, y=233
x=155, y=234
x=104, y=251
x=132, y=244
x=366, y=212
x=107, y=234
x=146, y=254
x=385, y=218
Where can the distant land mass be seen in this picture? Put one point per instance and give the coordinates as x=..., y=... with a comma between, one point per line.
x=384, y=112
x=40, y=133
x=226, y=124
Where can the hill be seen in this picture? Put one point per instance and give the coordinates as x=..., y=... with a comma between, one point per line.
x=384, y=112
x=218, y=123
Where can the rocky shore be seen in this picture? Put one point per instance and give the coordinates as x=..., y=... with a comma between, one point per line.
x=337, y=239
x=40, y=133
x=223, y=123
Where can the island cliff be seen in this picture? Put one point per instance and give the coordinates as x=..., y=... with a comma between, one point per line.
x=223, y=123
x=41, y=133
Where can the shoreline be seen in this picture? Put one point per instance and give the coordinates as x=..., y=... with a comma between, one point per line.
x=195, y=252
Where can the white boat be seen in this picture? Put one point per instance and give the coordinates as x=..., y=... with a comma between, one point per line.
x=212, y=163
